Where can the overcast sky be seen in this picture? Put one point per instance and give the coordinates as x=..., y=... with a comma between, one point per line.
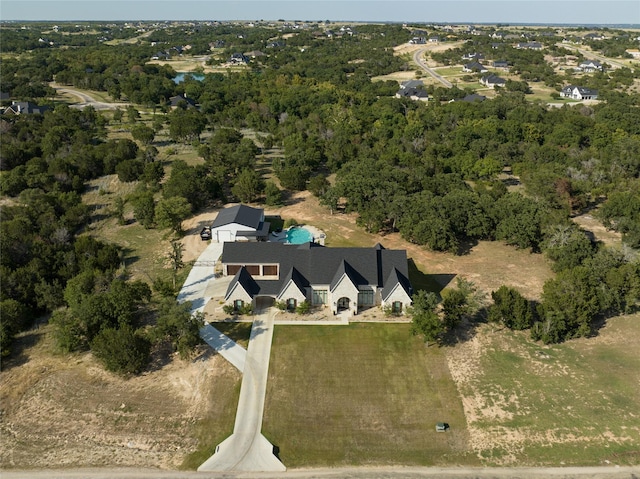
x=454, y=11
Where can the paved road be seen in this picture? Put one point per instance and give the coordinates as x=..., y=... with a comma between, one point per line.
x=247, y=449
x=608, y=472
x=419, y=59
x=87, y=100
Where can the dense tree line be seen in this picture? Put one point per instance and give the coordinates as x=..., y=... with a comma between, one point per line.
x=428, y=171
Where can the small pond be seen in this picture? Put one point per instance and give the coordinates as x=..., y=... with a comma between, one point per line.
x=179, y=78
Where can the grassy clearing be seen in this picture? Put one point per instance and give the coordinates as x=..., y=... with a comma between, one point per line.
x=361, y=394
x=238, y=332
x=216, y=426
x=576, y=402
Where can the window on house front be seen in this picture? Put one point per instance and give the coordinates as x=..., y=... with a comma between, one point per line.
x=232, y=269
x=319, y=296
x=238, y=304
x=365, y=298
x=270, y=270
x=396, y=307
x=291, y=304
x=253, y=270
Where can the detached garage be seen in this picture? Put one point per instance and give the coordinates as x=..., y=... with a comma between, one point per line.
x=239, y=223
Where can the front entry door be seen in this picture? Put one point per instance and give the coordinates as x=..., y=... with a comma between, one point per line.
x=343, y=303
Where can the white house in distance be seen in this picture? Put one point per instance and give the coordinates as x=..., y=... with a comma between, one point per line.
x=578, y=93
x=342, y=279
x=240, y=223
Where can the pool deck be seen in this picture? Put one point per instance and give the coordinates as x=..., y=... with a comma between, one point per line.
x=317, y=234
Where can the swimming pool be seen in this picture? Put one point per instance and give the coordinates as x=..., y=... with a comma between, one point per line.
x=299, y=235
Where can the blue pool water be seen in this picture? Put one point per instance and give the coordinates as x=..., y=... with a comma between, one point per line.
x=299, y=235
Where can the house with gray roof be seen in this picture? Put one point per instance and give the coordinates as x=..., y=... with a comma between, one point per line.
x=578, y=93
x=341, y=279
x=25, y=108
x=474, y=67
x=591, y=66
x=240, y=223
x=493, y=81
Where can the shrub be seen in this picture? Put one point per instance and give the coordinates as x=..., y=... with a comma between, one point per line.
x=289, y=223
x=228, y=309
x=122, y=350
x=281, y=305
x=303, y=308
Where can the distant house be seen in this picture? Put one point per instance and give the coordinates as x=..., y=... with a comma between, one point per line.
x=434, y=39
x=594, y=36
x=181, y=101
x=473, y=56
x=255, y=54
x=418, y=41
x=161, y=56
x=493, y=81
x=217, y=44
x=412, y=84
x=591, y=66
x=240, y=223
x=239, y=59
x=25, y=108
x=529, y=46
x=342, y=279
x=500, y=64
x=474, y=67
x=578, y=93
x=472, y=98
x=634, y=52
x=413, y=93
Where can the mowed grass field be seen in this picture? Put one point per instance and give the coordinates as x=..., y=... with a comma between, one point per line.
x=361, y=394
x=576, y=403
x=368, y=394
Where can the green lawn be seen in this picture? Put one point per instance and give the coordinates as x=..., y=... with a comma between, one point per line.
x=361, y=394
x=217, y=426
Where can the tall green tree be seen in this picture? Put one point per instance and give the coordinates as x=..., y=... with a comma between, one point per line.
x=247, y=186
x=171, y=212
x=424, y=319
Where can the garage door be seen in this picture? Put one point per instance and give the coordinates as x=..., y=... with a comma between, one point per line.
x=224, y=235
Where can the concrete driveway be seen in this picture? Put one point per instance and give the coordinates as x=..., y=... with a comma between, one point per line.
x=247, y=449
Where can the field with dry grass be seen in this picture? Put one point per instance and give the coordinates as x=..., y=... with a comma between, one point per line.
x=575, y=403
x=66, y=411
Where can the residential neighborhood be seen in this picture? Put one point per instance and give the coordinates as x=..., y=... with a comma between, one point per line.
x=266, y=247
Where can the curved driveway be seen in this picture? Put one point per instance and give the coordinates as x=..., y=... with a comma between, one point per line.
x=87, y=100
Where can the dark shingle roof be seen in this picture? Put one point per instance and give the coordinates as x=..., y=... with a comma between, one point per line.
x=241, y=214
x=317, y=264
x=244, y=279
x=396, y=278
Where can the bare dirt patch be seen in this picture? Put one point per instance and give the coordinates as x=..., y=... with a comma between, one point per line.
x=488, y=264
x=589, y=223
x=66, y=411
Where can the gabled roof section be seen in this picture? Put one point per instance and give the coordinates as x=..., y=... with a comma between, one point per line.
x=396, y=279
x=294, y=276
x=240, y=214
x=243, y=279
x=345, y=269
